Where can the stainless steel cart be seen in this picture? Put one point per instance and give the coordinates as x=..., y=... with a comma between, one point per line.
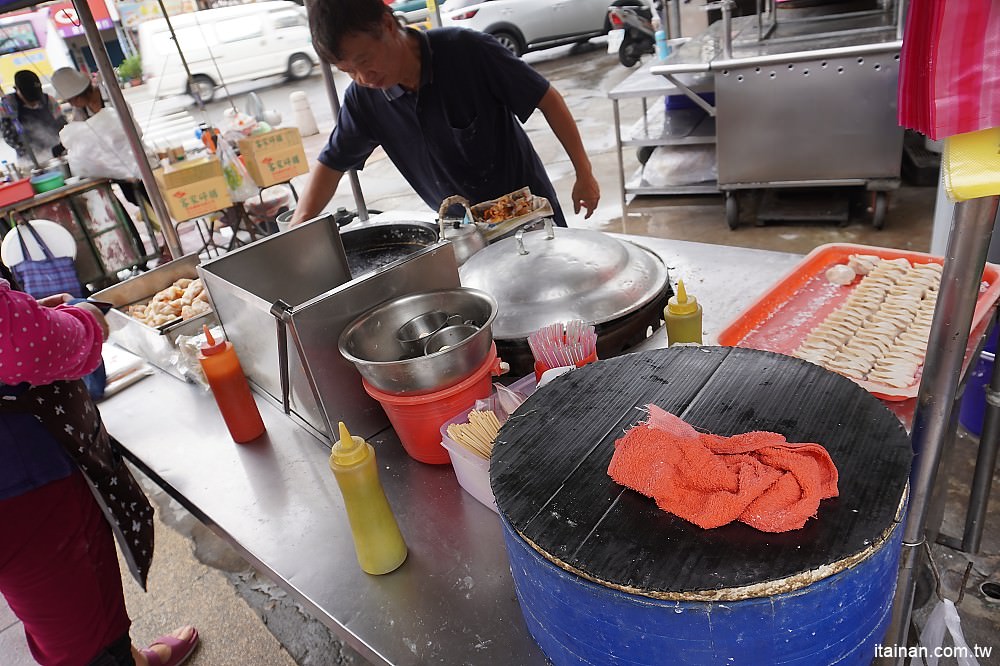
x=803, y=103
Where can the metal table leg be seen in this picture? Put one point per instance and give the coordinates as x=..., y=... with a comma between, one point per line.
x=621, y=160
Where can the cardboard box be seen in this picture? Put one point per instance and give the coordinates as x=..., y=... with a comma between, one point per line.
x=193, y=188
x=274, y=157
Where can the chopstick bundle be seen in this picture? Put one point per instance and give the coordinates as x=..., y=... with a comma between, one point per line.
x=478, y=434
x=558, y=345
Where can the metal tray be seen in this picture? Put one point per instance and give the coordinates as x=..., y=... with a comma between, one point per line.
x=158, y=345
x=781, y=318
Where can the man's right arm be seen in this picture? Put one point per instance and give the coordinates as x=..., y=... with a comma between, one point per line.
x=322, y=185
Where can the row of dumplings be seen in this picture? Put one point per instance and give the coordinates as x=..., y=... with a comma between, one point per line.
x=880, y=332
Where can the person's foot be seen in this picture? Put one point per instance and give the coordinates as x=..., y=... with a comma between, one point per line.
x=170, y=649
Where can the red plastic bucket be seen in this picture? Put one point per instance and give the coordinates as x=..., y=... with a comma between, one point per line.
x=417, y=419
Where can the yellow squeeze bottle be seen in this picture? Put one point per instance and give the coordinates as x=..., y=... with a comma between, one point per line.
x=683, y=317
x=377, y=540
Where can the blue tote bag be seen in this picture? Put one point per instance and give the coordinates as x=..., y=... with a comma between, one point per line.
x=48, y=276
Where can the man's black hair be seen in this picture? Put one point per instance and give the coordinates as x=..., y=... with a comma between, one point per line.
x=330, y=21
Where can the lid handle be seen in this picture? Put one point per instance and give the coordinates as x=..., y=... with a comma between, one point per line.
x=550, y=233
x=453, y=200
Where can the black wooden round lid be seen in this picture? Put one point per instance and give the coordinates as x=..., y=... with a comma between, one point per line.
x=550, y=462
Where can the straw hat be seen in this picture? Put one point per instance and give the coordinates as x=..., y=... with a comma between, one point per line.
x=69, y=83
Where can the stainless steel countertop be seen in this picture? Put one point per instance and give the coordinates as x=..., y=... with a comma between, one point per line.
x=277, y=502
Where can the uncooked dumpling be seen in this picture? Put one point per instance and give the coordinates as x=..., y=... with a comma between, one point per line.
x=840, y=275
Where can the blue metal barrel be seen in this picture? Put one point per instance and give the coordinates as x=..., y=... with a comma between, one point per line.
x=605, y=577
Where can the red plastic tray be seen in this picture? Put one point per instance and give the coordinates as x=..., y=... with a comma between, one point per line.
x=781, y=318
x=19, y=190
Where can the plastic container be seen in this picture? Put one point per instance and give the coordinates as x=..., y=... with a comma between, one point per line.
x=417, y=419
x=683, y=318
x=973, y=407
x=19, y=190
x=541, y=368
x=230, y=388
x=674, y=102
x=660, y=37
x=780, y=318
x=472, y=471
x=378, y=543
x=47, y=181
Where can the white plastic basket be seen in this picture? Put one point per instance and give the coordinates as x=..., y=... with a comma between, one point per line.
x=472, y=471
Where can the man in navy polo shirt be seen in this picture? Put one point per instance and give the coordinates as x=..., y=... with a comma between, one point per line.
x=446, y=106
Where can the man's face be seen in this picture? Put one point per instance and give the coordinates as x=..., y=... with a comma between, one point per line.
x=371, y=60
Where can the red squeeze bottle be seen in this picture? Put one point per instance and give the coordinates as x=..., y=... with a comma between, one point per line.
x=230, y=388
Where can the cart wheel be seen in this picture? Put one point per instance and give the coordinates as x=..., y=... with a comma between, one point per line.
x=879, y=209
x=732, y=210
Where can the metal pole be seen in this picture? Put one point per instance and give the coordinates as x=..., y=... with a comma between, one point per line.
x=900, y=18
x=331, y=93
x=674, y=24
x=963, y=268
x=986, y=461
x=180, y=53
x=621, y=162
x=434, y=13
x=128, y=123
x=352, y=174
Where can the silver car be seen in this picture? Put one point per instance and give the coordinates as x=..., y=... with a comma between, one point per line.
x=530, y=25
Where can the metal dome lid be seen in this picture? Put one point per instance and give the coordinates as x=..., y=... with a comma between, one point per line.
x=547, y=276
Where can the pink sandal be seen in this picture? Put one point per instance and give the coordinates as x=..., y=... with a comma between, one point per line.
x=180, y=650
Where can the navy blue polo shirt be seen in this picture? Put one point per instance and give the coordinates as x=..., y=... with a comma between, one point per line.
x=460, y=132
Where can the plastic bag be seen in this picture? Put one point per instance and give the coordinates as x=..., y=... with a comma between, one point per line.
x=271, y=203
x=241, y=185
x=945, y=616
x=98, y=147
x=970, y=164
x=949, y=79
x=186, y=359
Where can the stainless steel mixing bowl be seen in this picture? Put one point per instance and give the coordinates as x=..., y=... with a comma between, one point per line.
x=370, y=342
x=449, y=336
x=413, y=334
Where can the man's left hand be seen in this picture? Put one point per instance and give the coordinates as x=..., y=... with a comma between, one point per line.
x=586, y=194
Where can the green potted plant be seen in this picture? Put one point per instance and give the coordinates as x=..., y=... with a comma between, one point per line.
x=130, y=70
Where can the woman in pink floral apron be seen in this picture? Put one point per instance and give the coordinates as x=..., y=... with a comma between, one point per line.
x=64, y=491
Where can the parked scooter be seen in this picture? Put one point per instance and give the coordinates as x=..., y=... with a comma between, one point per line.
x=637, y=23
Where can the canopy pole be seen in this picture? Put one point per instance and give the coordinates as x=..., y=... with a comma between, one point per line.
x=195, y=92
x=965, y=258
x=331, y=93
x=128, y=124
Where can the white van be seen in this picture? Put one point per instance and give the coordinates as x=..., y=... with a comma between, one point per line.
x=227, y=44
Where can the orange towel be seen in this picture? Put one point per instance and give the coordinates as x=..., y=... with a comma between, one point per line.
x=758, y=478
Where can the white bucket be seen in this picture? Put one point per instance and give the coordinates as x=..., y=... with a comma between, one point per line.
x=284, y=220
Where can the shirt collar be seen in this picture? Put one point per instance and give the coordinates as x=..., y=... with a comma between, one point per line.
x=426, y=71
